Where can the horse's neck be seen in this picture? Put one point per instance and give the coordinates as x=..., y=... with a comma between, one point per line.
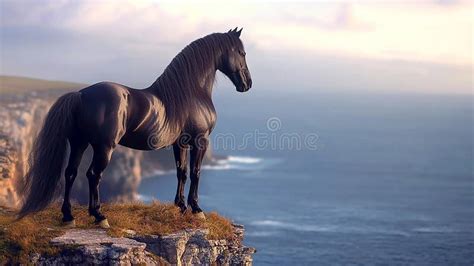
x=207, y=82
x=204, y=83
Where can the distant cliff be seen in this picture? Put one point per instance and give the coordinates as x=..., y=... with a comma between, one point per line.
x=21, y=116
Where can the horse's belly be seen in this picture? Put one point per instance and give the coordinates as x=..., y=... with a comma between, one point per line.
x=147, y=141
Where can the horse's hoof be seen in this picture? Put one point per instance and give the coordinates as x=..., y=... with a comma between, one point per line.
x=69, y=224
x=183, y=209
x=181, y=205
x=200, y=215
x=104, y=224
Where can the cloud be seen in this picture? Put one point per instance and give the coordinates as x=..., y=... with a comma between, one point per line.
x=131, y=42
x=345, y=19
x=333, y=17
x=449, y=3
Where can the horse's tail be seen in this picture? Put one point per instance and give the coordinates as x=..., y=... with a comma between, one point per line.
x=47, y=155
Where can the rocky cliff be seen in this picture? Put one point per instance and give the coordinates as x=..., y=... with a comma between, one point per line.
x=189, y=247
x=19, y=116
x=148, y=234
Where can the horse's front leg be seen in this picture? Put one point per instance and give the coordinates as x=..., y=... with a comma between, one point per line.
x=198, y=150
x=180, y=156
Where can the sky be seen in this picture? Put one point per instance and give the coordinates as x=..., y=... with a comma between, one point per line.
x=384, y=46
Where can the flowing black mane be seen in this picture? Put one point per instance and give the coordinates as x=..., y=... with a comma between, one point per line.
x=180, y=82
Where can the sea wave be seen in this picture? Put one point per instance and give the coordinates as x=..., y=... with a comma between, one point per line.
x=244, y=159
x=229, y=163
x=163, y=172
x=235, y=162
x=145, y=198
x=218, y=167
x=279, y=225
x=259, y=233
x=292, y=226
x=440, y=229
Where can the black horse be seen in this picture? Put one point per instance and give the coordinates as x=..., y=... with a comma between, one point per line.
x=176, y=110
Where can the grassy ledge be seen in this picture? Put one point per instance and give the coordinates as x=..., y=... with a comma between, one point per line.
x=32, y=234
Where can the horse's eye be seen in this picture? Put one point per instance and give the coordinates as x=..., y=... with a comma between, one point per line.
x=242, y=53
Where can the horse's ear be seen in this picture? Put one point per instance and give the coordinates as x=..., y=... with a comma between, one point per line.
x=235, y=31
x=239, y=32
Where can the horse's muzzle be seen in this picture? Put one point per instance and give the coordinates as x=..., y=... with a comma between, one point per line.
x=245, y=81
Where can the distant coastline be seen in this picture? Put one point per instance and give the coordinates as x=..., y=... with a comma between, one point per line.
x=20, y=84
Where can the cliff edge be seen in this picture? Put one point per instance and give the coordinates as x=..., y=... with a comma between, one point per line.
x=150, y=234
x=189, y=247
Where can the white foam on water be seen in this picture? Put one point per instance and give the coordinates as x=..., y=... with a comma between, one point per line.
x=244, y=160
x=292, y=226
x=163, y=172
x=324, y=228
x=235, y=163
x=259, y=233
x=434, y=229
x=229, y=163
x=217, y=167
x=145, y=198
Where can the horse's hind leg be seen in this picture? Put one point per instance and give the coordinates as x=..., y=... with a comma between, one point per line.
x=78, y=147
x=180, y=154
x=102, y=155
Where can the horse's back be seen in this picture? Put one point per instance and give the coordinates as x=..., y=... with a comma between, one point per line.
x=103, y=112
x=115, y=114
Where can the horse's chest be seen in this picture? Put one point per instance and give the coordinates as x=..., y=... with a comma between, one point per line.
x=201, y=122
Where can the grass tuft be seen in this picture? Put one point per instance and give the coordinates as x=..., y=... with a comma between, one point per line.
x=32, y=234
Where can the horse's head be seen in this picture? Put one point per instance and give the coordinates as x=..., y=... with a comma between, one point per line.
x=234, y=65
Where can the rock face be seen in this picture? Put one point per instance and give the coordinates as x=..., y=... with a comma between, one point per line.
x=18, y=116
x=94, y=246
x=190, y=247
x=21, y=117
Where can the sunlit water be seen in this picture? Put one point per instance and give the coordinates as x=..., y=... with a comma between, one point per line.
x=391, y=180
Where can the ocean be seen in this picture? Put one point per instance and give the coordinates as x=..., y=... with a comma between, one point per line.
x=342, y=178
